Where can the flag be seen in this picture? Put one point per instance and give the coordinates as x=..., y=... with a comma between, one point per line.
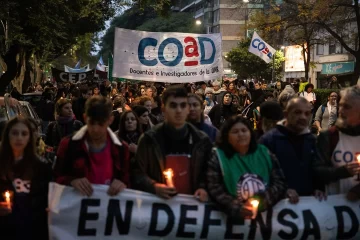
x=77, y=70
x=77, y=66
x=261, y=49
x=101, y=66
x=110, y=64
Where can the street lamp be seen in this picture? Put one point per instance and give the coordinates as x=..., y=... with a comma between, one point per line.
x=198, y=22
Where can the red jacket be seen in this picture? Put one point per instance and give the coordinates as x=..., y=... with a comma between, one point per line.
x=73, y=156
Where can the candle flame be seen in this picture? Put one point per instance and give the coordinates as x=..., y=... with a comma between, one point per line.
x=254, y=203
x=168, y=173
x=7, y=194
x=358, y=158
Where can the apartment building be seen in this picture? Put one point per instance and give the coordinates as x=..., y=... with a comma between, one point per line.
x=228, y=17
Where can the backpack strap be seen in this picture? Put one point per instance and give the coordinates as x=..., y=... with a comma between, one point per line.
x=323, y=108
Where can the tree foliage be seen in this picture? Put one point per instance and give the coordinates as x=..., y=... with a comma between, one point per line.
x=248, y=65
x=313, y=22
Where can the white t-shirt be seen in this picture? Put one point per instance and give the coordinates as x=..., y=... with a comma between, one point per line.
x=345, y=152
x=311, y=97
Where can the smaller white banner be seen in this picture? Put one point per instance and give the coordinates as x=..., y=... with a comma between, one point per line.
x=261, y=49
x=139, y=215
x=167, y=57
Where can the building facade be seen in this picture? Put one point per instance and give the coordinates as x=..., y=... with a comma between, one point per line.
x=228, y=17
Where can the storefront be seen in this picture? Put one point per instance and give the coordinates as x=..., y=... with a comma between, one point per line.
x=342, y=70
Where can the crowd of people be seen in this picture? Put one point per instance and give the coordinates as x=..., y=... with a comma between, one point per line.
x=228, y=143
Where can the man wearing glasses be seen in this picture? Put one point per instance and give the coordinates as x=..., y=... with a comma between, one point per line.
x=176, y=145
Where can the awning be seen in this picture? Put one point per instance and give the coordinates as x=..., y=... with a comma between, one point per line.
x=337, y=68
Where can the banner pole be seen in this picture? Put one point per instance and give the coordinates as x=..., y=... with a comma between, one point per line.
x=273, y=68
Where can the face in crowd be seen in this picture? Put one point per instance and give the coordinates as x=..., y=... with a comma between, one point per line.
x=216, y=87
x=66, y=110
x=257, y=86
x=19, y=137
x=149, y=92
x=144, y=118
x=278, y=85
x=349, y=111
x=148, y=105
x=87, y=94
x=333, y=98
x=239, y=136
x=264, y=86
x=96, y=91
x=195, y=108
x=298, y=113
x=227, y=99
x=176, y=111
x=231, y=86
x=130, y=122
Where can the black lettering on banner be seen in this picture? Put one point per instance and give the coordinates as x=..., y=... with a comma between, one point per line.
x=311, y=226
x=156, y=207
x=185, y=220
x=113, y=211
x=281, y=219
x=86, y=216
x=230, y=222
x=341, y=234
x=208, y=221
x=265, y=228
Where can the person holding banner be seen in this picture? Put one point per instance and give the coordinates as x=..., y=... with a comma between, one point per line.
x=25, y=178
x=174, y=145
x=94, y=155
x=241, y=170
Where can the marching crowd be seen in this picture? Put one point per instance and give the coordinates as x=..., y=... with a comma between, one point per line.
x=228, y=143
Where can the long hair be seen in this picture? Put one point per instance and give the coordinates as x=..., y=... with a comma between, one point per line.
x=122, y=129
x=223, y=139
x=6, y=152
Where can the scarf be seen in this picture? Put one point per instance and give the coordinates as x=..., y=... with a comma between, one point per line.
x=64, y=120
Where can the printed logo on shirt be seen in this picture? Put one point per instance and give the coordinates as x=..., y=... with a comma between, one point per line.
x=22, y=186
x=248, y=185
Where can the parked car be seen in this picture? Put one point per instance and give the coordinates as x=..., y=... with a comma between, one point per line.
x=30, y=112
x=33, y=98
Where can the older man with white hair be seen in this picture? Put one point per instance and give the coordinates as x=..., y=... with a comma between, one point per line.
x=339, y=148
x=218, y=91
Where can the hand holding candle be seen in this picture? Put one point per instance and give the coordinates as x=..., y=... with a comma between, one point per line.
x=168, y=174
x=7, y=195
x=255, y=205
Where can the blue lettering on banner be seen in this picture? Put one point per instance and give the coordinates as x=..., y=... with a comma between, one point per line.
x=261, y=46
x=141, y=51
x=146, y=42
x=178, y=57
x=346, y=156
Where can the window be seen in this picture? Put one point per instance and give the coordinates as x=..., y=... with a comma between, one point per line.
x=216, y=16
x=320, y=49
x=332, y=47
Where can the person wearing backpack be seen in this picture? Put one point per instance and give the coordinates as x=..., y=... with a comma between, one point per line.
x=64, y=125
x=94, y=155
x=310, y=96
x=327, y=113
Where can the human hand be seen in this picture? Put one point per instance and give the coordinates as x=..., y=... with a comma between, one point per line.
x=115, y=187
x=246, y=210
x=83, y=186
x=4, y=209
x=164, y=191
x=202, y=195
x=320, y=195
x=293, y=196
x=132, y=147
x=353, y=168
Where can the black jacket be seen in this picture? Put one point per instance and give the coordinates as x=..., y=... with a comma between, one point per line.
x=37, y=228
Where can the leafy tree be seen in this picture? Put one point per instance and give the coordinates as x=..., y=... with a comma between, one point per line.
x=45, y=30
x=248, y=65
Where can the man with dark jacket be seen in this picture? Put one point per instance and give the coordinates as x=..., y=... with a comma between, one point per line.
x=339, y=148
x=294, y=146
x=334, y=83
x=174, y=145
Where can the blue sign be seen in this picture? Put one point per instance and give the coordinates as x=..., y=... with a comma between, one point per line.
x=338, y=68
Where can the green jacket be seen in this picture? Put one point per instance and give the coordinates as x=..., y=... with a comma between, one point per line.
x=150, y=159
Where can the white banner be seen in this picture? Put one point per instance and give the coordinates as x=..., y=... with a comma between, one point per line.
x=77, y=70
x=139, y=215
x=167, y=57
x=261, y=49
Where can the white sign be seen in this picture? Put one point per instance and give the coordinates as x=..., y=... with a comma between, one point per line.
x=294, y=60
x=261, y=49
x=167, y=57
x=139, y=215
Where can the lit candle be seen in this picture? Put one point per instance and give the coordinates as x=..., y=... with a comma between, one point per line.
x=7, y=199
x=168, y=173
x=255, y=205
